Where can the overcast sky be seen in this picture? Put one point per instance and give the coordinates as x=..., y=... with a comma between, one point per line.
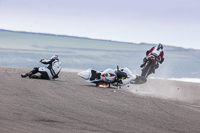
x=171, y=22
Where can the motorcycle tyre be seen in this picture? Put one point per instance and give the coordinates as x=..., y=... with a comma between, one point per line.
x=146, y=70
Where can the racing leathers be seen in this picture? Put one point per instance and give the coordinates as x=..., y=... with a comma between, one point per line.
x=156, y=51
x=50, y=72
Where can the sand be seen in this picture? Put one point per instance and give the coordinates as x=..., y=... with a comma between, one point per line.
x=71, y=105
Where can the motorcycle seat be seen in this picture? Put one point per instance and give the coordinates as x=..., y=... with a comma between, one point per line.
x=95, y=75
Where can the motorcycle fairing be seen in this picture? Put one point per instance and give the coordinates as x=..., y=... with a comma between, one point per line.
x=108, y=75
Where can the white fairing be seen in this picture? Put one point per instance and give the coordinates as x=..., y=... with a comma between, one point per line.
x=108, y=75
x=85, y=74
x=129, y=78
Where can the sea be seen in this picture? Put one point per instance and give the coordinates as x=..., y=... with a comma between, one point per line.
x=25, y=49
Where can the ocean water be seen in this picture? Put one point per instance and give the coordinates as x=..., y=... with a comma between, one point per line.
x=19, y=49
x=194, y=80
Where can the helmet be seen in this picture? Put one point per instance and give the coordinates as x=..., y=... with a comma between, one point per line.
x=159, y=46
x=55, y=57
x=108, y=75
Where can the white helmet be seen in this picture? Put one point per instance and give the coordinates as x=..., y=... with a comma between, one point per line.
x=108, y=75
x=55, y=57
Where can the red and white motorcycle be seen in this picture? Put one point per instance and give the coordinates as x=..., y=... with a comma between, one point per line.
x=150, y=65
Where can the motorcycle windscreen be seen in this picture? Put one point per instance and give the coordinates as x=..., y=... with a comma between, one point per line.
x=85, y=74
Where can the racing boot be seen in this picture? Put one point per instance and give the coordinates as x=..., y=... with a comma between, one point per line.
x=153, y=71
x=144, y=62
x=33, y=76
x=26, y=74
x=155, y=67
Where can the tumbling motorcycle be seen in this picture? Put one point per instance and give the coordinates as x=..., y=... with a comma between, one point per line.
x=150, y=65
x=118, y=77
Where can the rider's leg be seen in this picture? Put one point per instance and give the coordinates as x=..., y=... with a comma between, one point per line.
x=155, y=67
x=144, y=62
x=34, y=71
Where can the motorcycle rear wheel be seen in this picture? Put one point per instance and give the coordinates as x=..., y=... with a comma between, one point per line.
x=146, y=70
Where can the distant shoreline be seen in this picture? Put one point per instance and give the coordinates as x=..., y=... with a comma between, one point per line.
x=77, y=37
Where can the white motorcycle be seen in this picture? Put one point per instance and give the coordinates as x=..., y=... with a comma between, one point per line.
x=117, y=77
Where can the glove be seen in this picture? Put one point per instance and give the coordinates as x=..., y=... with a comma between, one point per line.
x=161, y=60
x=41, y=60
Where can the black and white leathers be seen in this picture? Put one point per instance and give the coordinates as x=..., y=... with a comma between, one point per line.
x=53, y=69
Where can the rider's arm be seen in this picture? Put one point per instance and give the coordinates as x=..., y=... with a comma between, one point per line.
x=149, y=51
x=46, y=61
x=162, y=57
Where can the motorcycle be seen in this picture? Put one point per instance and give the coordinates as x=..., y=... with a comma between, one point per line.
x=108, y=77
x=150, y=65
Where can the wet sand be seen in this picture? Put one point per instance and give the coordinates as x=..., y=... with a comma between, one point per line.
x=71, y=105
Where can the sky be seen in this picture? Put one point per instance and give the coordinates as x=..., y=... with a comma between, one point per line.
x=170, y=22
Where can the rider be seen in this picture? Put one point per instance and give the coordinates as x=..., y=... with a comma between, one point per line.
x=158, y=52
x=50, y=72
